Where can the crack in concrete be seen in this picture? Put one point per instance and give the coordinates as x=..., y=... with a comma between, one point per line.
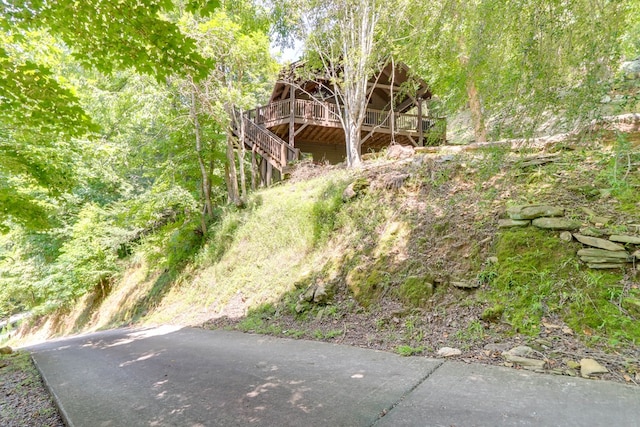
x=386, y=411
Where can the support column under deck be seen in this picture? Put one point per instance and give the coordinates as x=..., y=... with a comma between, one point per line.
x=292, y=118
x=269, y=174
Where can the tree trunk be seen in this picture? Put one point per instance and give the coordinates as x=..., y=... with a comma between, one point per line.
x=477, y=116
x=352, y=136
x=238, y=118
x=232, y=182
x=243, y=179
x=206, y=182
x=254, y=167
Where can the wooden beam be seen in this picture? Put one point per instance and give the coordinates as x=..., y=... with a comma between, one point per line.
x=385, y=72
x=300, y=129
x=379, y=100
x=402, y=132
x=285, y=91
x=381, y=86
x=413, y=141
x=411, y=99
x=369, y=135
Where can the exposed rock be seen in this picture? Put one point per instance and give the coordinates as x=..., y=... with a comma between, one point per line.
x=594, y=217
x=600, y=220
x=520, y=351
x=591, y=231
x=542, y=344
x=593, y=252
x=625, y=239
x=589, y=367
x=392, y=180
x=449, y=352
x=466, y=284
x=492, y=260
x=556, y=223
x=601, y=260
x=635, y=228
x=501, y=347
x=318, y=293
x=445, y=158
x=566, y=236
x=301, y=306
x=636, y=254
x=631, y=69
x=572, y=364
x=397, y=152
x=525, y=362
x=322, y=294
x=607, y=266
x=349, y=193
x=510, y=223
x=534, y=211
x=6, y=350
x=356, y=188
x=598, y=243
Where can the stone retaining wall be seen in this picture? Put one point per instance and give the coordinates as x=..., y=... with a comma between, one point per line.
x=602, y=248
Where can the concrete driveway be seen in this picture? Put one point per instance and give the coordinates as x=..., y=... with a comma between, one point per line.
x=192, y=377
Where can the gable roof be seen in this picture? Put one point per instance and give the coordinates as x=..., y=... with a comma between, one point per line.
x=405, y=97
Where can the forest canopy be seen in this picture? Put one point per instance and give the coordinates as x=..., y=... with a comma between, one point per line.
x=116, y=117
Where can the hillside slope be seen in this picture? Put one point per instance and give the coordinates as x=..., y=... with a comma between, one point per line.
x=408, y=256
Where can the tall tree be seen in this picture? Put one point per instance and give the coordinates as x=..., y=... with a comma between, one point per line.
x=349, y=41
x=239, y=78
x=41, y=113
x=39, y=119
x=517, y=61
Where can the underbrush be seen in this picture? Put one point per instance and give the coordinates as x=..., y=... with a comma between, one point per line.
x=394, y=252
x=538, y=275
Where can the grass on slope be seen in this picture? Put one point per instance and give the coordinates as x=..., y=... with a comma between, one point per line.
x=392, y=252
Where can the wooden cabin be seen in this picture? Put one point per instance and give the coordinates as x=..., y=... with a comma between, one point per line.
x=302, y=117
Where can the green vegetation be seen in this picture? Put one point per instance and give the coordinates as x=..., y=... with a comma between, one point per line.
x=124, y=197
x=472, y=333
x=617, y=174
x=538, y=275
x=406, y=350
x=416, y=290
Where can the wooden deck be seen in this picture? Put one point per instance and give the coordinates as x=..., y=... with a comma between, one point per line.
x=278, y=132
x=319, y=122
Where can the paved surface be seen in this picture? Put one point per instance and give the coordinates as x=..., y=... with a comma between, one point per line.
x=192, y=377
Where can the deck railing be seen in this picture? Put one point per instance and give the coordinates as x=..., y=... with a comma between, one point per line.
x=327, y=114
x=269, y=144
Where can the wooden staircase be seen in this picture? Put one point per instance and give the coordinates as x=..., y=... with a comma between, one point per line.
x=269, y=145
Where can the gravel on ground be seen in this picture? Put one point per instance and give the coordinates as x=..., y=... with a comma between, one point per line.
x=25, y=400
